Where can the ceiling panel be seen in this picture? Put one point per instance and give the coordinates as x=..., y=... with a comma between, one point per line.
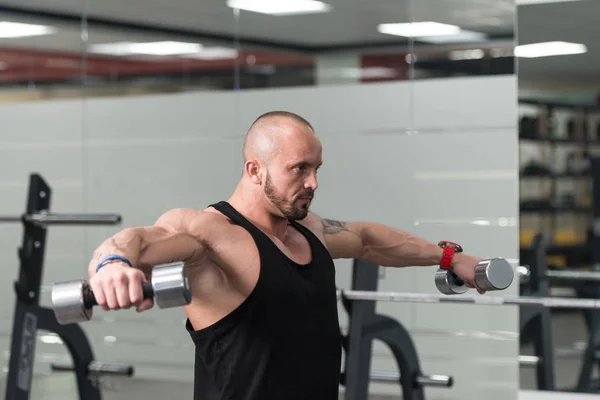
x=350, y=22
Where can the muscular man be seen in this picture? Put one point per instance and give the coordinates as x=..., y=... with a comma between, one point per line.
x=263, y=314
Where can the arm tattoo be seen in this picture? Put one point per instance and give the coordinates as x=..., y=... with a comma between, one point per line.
x=331, y=226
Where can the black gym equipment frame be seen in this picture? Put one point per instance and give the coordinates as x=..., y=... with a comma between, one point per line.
x=536, y=323
x=29, y=316
x=365, y=326
x=585, y=382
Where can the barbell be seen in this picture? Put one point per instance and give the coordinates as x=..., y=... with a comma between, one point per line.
x=44, y=218
x=550, y=302
x=423, y=380
x=574, y=275
x=524, y=275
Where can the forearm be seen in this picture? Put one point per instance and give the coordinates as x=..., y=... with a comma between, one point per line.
x=146, y=247
x=387, y=246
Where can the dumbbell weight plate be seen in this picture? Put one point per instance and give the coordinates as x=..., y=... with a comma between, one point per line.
x=446, y=283
x=494, y=274
x=171, y=281
x=68, y=302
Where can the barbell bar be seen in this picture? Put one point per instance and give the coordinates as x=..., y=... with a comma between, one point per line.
x=424, y=380
x=574, y=275
x=523, y=270
x=47, y=218
x=549, y=302
x=99, y=368
x=524, y=274
x=529, y=361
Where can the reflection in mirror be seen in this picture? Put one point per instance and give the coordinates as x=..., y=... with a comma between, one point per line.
x=470, y=38
x=559, y=132
x=319, y=43
x=139, y=57
x=236, y=44
x=127, y=62
x=366, y=60
x=39, y=57
x=345, y=42
x=145, y=154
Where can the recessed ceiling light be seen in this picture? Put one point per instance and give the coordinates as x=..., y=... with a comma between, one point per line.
x=214, y=53
x=472, y=54
x=530, y=2
x=418, y=29
x=17, y=29
x=280, y=7
x=547, y=49
x=166, y=48
x=462, y=37
x=431, y=32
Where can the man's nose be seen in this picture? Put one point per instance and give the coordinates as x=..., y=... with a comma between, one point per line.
x=311, y=182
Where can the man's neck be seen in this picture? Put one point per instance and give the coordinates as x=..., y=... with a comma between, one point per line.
x=254, y=210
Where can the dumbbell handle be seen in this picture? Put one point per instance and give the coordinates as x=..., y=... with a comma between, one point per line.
x=456, y=279
x=89, y=300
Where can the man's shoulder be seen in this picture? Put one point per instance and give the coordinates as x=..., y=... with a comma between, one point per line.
x=311, y=216
x=313, y=222
x=180, y=217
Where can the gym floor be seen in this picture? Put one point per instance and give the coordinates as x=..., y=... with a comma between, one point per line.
x=568, y=330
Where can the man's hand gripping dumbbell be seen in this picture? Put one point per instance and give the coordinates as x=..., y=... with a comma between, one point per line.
x=168, y=287
x=491, y=274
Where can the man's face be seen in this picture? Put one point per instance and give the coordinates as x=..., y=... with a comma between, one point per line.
x=291, y=178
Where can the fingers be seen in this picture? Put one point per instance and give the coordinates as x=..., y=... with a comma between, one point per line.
x=119, y=287
x=98, y=291
x=479, y=290
x=145, y=305
x=473, y=285
x=122, y=290
x=136, y=295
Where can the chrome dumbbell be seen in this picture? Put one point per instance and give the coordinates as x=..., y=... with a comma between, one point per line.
x=491, y=274
x=169, y=286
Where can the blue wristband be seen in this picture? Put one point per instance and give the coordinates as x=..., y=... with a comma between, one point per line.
x=111, y=258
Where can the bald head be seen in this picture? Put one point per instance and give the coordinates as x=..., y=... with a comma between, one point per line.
x=269, y=132
x=281, y=157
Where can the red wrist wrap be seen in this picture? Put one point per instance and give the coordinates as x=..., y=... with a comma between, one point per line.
x=447, y=257
x=449, y=249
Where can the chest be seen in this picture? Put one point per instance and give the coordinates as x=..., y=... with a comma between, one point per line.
x=297, y=272
x=244, y=247
x=285, y=265
x=294, y=246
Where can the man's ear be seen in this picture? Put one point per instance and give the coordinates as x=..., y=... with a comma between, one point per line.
x=252, y=168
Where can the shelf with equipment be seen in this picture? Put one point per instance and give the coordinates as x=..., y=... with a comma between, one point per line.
x=555, y=175
x=559, y=144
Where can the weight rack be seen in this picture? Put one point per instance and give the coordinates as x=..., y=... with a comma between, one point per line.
x=29, y=316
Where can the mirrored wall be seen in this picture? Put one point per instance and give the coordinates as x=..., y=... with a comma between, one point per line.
x=151, y=101
x=51, y=49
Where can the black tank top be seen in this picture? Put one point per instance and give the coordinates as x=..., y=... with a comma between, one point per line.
x=283, y=342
